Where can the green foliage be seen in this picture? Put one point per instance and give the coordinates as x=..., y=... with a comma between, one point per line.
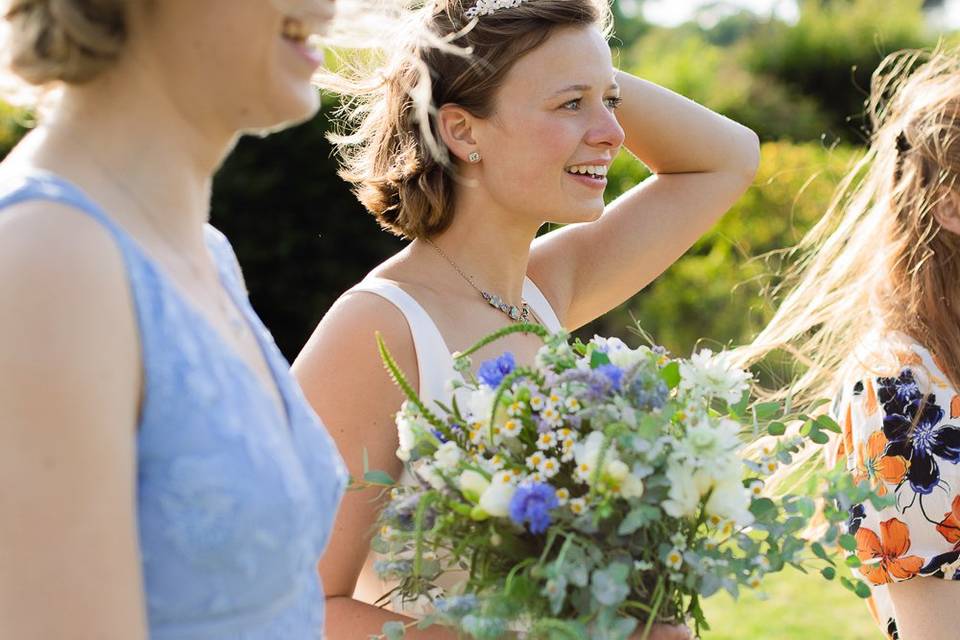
x=833, y=49
x=12, y=127
x=686, y=62
x=717, y=288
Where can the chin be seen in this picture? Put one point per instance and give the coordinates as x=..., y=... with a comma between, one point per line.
x=287, y=109
x=577, y=215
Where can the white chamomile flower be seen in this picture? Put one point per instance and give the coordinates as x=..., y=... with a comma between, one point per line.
x=538, y=402
x=547, y=440
x=515, y=409
x=572, y=405
x=566, y=433
x=517, y=475
x=577, y=505
x=496, y=462
x=552, y=416
x=563, y=496
x=512, y=428
x=535, y=459
x=769, y=466
x=536, y=476
x=756, y=489
x=754, y=582
x=679, y=541
x=549, y=467
x=584, y=472
x=387, y=533
x=714, y=520
x=674, y=559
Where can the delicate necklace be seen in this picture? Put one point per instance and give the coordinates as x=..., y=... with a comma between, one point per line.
x=515, y=313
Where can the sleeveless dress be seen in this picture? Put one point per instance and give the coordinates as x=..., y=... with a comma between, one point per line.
x=901, y=432
x=435, y=369
x=235, y=499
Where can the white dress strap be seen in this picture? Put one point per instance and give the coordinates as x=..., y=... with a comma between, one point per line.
x=434, y=361
x=540, y=305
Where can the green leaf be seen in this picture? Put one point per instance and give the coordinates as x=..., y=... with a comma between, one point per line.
x=853, y=562
x=766, y=410
x=776, y=428
x=821, y=553
x=828, y=572
x=862, y=589
x=848, y=542
x=806, y=428
x=671, y=374
x=819, y=437
x=598, y=359
x=762, y=508
x=828, y=423
x=378, y=477
x=638, y=517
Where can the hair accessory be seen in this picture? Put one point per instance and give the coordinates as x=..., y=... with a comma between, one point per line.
x=474, y=157
x=487, y=7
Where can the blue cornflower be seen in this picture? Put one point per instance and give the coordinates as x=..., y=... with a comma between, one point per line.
x=613, y=373
x=492, y=372
x=531, y=505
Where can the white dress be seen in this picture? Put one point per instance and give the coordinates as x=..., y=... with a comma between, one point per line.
x=435, y=370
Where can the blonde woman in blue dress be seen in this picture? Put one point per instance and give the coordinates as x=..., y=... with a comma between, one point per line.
x=530, y=123
x=162, y=475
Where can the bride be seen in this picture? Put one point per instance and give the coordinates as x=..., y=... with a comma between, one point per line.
x=523, y=133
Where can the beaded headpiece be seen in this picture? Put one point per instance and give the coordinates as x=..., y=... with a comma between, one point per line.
x=486, y=7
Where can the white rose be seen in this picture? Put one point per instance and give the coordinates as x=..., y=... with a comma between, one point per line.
x=683, y=499
x=731, y=500
x=405, y=432
x=496, y=499
x=431, y=476
x=480, y=404
x=448, y=455
x=473, y=482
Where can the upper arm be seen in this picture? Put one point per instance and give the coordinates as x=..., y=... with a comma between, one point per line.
x=344, y=379
x=587, y=269
x=69, y=362
x=923, y=607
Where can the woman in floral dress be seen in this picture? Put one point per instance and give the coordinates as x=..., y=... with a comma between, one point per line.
x=875, y=314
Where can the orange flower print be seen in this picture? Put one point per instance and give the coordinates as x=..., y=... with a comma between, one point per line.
x=883, y=556
x=949, y=528
x=845, y=447
x=871, y=406
x=955, y=407
x=881, y=470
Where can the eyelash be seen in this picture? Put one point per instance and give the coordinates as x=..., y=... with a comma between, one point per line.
x=613, y=103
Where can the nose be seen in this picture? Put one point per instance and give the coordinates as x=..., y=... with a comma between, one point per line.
x=605, y=131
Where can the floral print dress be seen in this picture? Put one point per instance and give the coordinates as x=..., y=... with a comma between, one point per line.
x=901, y=432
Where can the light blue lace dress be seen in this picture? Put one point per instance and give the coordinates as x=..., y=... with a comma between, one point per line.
x=235, y=501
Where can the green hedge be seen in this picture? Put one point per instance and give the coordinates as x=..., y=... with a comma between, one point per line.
x=716, y=291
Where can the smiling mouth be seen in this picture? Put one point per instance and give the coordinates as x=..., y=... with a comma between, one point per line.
x=300, y=33
x=597, y=172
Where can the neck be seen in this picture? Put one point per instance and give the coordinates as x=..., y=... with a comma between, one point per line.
x=122, y=139
x=491, y=245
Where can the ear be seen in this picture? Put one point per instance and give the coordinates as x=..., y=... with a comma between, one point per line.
x=947, y=212
x=456, y=130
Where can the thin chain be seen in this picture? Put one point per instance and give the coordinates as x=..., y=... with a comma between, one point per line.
x=522, y=313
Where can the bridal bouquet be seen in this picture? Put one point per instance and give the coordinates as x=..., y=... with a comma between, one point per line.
x=593, y=494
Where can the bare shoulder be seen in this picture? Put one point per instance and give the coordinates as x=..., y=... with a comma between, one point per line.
x=65, y=303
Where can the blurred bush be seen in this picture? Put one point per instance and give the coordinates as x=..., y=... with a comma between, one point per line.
x=717, y=289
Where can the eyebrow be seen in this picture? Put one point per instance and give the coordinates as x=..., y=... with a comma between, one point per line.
x=582, y=87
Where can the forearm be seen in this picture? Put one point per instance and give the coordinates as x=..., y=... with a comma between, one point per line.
x=349, y=619
x=671, y=134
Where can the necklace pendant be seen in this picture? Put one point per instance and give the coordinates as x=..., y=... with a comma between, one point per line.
x=514, y=313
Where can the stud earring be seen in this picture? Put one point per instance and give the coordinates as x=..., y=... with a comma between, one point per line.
x=474, y=157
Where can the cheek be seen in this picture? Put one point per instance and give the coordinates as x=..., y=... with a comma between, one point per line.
x=537, y=151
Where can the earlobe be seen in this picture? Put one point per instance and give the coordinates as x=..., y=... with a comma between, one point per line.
x=456, y=130
x=947, y=213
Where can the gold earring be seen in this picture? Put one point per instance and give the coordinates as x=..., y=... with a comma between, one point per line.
x=474, y=157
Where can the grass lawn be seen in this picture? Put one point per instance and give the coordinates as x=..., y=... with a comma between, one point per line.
x=799, y=607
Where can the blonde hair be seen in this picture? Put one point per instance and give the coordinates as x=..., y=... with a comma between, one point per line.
x=388, y=142
x=879, y=261
x=62, y=40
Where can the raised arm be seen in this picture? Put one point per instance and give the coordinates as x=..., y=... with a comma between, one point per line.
x=702, y=162
x=69, y=361
x=343, y=378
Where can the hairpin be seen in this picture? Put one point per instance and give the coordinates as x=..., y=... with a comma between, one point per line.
x=487, y=7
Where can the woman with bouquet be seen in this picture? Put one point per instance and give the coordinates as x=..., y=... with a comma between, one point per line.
x=524, y=131
x=874, y=312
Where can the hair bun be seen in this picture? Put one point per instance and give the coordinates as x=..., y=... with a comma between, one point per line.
x=63, y=40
